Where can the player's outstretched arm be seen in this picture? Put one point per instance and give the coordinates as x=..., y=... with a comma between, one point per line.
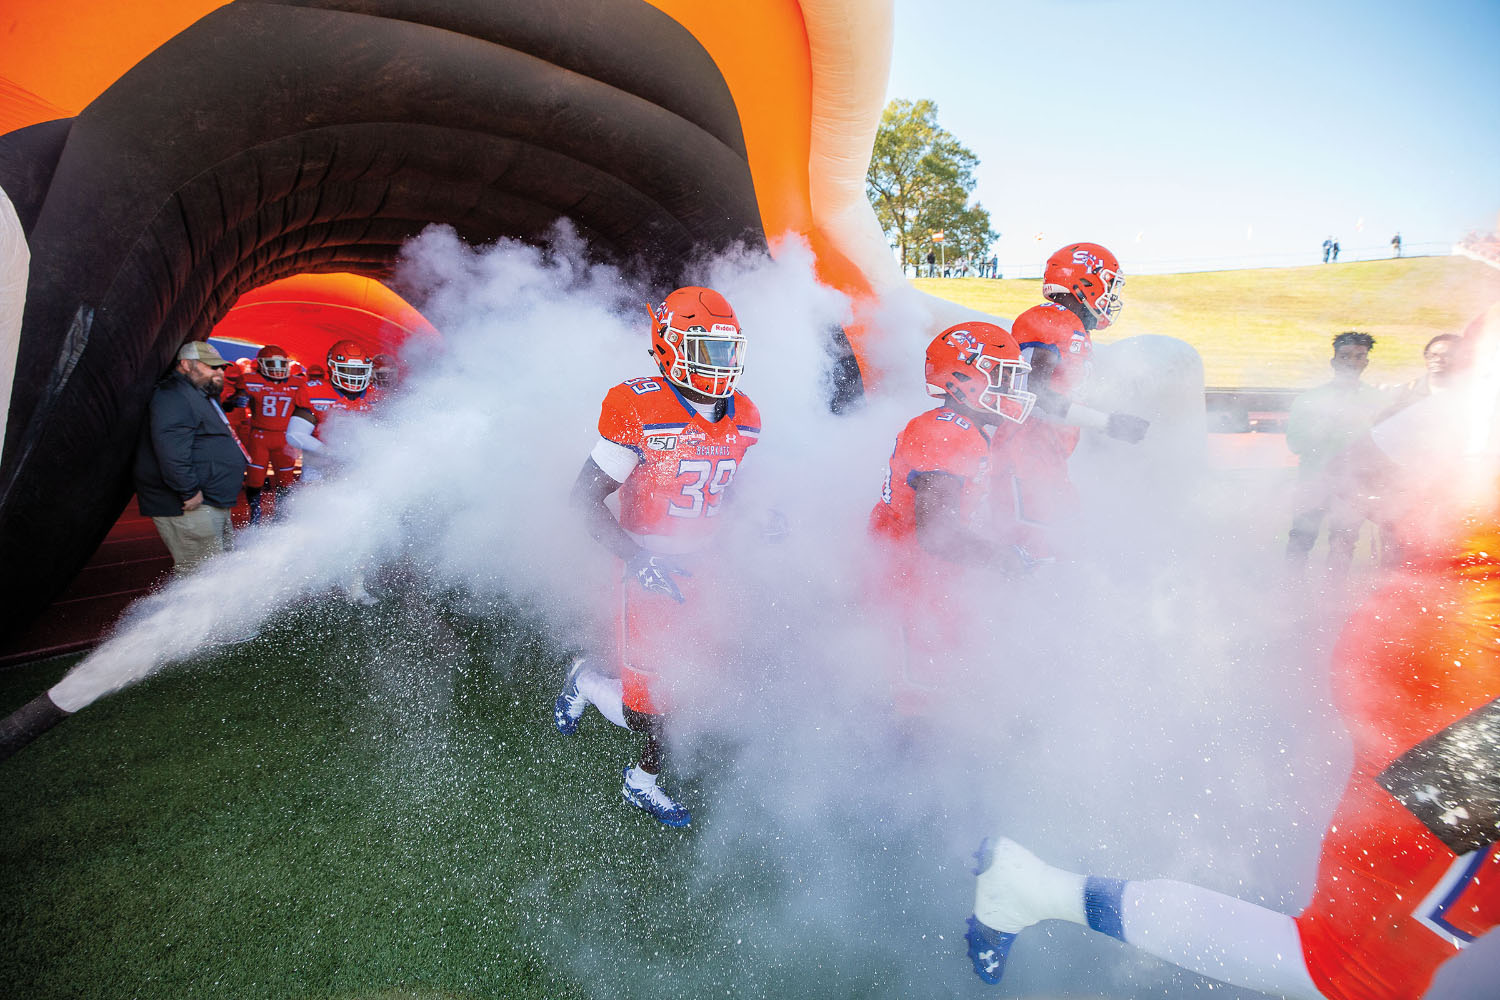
x=1120, y=426
x=299, y=431
x=590, y=490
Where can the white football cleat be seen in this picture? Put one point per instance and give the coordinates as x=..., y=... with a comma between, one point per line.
x=1016, y=889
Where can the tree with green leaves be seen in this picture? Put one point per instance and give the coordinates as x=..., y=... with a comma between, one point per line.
x=919, y=182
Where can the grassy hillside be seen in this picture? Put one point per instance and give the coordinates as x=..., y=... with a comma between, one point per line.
x=1271, y=327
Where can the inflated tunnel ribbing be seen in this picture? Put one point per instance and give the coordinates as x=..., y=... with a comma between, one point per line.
x=274, y=138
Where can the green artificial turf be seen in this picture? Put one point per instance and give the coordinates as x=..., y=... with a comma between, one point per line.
x=1270, y=327
x=373, y=803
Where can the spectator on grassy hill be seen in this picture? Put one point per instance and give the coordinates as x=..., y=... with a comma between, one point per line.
x=994, y=267
x=931, y=263
x=1335, y=252
x=189, y=466
x=1327, y=248
x=1396, y=244
x=1323, y=422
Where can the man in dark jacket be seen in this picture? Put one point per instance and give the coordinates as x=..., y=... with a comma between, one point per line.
x=189, y=465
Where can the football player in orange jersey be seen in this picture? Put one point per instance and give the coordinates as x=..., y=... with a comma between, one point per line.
x=934, y=508
x=351, y=368
x=1082, y=283
x=267, y=395
x=671, y=445
x=1410, y=866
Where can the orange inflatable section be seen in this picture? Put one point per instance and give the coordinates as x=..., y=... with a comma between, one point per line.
x=61, y=54
x=763, y=53
x=307, y=313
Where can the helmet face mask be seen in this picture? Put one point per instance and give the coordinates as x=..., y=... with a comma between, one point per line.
x=707, y=361
x=697, y=342
x=1007, y=394
x=986, y=376
x=1090, y=275
x=350, y=366
x=273, y=363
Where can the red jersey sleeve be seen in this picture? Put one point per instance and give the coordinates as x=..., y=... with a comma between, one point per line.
x=620, y=416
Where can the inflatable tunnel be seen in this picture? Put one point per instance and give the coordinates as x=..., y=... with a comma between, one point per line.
x=164, y=162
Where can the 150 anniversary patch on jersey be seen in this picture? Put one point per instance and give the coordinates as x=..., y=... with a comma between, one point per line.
x=1451, y=781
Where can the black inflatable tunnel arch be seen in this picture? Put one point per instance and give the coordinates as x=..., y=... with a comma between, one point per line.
x=275, y=138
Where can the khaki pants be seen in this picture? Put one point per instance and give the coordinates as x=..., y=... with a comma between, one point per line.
x=194, y=536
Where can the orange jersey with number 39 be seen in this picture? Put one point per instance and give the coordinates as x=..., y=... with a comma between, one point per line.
x=686, y=461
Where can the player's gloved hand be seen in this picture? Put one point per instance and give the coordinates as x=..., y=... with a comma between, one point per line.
x=774, y=528
x=238, y=400
x=1127, y=428
x=654, y=573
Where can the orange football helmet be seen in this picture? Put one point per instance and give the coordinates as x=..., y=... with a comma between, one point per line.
x=980, y=366
x=350, y=366
x=273, y=363
x=316, y=371
x=1088, y=273
x=697, y=342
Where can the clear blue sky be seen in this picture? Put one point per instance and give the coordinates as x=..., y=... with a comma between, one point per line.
x=1173, y=130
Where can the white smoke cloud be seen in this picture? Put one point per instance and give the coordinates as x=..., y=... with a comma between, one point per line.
x=1156, y=708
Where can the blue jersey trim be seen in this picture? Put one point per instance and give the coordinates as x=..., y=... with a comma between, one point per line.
x=681, y=398
x=1042, y=344
x=1102, y=901
x=664, y=427
x=639, y=451
x=1440, y=915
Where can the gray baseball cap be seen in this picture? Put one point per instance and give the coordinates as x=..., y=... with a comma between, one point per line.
x=201, y=350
